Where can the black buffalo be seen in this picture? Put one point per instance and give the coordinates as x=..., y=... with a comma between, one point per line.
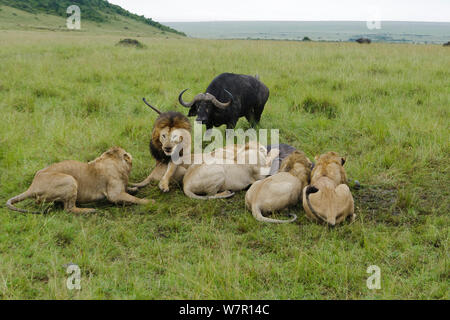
x=228, y=97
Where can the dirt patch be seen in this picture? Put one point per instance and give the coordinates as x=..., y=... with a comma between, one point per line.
x=130, y=43
x=377, y=199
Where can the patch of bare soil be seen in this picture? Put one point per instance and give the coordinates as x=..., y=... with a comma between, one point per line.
x=376, y=199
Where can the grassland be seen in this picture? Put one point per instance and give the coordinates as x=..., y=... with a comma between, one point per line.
x=70, y=95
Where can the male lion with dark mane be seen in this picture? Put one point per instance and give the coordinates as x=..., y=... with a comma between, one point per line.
x=171, y=134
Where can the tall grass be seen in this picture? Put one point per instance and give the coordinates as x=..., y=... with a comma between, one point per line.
x=385, y=107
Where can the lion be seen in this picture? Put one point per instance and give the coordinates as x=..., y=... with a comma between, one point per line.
x=219, y=180
x=72, y=182
x=328, y=198
x=170, y=136
x=281, y=190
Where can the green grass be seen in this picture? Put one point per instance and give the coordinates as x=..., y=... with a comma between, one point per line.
x=72, y=95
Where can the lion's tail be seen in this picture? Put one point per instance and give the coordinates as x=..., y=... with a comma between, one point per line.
x=308, y=191
x=27, y=194
x=142, y=184
x=223, y=195
x=148, y=104
x=256, y=211
x=146, y=182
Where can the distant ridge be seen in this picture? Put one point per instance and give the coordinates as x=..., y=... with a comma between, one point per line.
x=93, y=10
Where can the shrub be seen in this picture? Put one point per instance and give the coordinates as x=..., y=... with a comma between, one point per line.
x=94, y=103
x=130, y=43
x=321, y=106
x=24, y=103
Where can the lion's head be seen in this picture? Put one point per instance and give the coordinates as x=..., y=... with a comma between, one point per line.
x=123, y=159
x=172, y=130
x=298, y=165
x=330, y=164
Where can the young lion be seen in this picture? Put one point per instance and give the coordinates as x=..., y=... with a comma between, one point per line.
x=328, y=198
x=280, y=190
x=72, y=182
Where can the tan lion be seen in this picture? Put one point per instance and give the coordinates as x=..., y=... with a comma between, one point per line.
x=72, y=182
x=328, y=198
x=171, y=134
x=281, y=190
x=219, y=180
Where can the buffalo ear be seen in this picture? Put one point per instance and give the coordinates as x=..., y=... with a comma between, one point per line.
x=342, y=160
x=192, y=111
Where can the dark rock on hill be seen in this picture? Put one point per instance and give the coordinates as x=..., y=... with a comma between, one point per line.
x=130, y=43
x=363, y=40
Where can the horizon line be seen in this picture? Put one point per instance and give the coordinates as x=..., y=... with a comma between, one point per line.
x=416, y=21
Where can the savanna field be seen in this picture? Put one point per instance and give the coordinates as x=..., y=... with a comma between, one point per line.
x=386, y=107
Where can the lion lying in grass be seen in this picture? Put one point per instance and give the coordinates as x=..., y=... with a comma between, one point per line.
x=280, y=190
x=219, y=180
x=328, y=198
x=72, y=182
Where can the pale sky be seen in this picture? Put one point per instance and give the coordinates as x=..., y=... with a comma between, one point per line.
x=290, y=10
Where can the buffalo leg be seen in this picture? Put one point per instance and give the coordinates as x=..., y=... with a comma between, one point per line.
x=258, y=112
x=231, y=125
x=251, y=119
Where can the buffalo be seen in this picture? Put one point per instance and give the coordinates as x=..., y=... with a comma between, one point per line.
x=228, y=97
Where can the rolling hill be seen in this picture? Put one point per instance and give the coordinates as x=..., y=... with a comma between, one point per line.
x=96, y=16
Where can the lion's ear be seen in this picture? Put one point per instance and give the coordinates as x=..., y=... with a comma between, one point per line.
x=113, y=151
x=316, y=158
x=285, y=167
x=343, y=160
x=126, y=157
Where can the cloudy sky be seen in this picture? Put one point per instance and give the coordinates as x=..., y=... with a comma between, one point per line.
x=291, y=10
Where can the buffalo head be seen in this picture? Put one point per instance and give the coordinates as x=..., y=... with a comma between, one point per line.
x=203, y=105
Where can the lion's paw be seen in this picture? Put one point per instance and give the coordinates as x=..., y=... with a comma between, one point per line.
x=164, y=186
x=147, y=201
